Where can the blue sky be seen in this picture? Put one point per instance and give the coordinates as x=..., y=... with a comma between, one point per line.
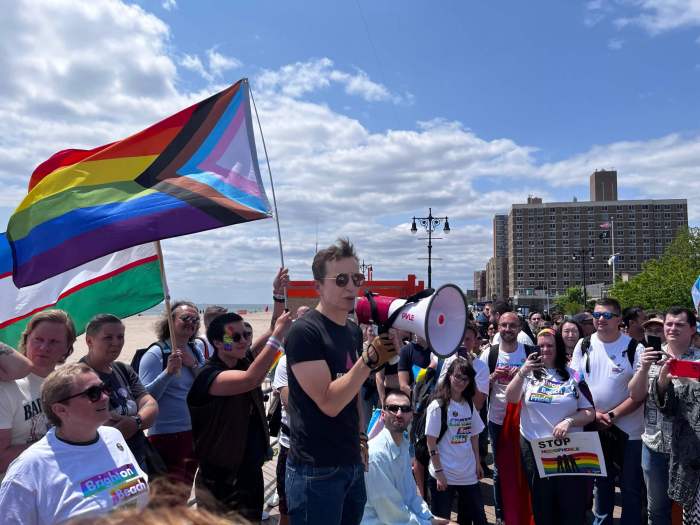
x=373, y=111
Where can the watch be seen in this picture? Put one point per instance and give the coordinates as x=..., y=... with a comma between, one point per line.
x=611, y=414
x=138, y=421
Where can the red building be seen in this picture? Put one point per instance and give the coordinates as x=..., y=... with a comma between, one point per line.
x=303, y=292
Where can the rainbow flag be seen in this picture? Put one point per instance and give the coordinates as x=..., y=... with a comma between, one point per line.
x=194, y=171
x=122, y=283
x=576, y=463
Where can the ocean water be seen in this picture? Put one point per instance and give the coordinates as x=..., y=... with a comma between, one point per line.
x=158, y=309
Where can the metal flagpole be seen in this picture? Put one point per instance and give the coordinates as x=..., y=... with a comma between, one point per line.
x=612, y=228
x=272, y=187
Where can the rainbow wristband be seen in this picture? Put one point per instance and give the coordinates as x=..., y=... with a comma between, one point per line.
x=274, y=342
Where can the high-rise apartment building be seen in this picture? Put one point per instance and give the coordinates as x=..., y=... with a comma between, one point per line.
x=497, y=278
x=480, y=284
x=603, y=185
x=500, y=235
x=551, y=244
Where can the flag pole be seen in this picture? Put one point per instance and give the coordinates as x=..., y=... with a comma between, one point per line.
x=272, y=187
x=166, y=295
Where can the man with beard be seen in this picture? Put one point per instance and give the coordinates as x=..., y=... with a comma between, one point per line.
x=391, y=491
x=504, y=360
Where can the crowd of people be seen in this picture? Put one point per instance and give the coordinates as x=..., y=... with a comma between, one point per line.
x=86, y=440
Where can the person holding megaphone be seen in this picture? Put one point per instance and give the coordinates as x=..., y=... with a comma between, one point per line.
x=327, y=367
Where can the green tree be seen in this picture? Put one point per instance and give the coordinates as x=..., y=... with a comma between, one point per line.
x=571, y=302
x=667, y=281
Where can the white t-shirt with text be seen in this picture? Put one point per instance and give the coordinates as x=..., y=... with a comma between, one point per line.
x=610, y=373
x=547, y=401
x=21, y=410
x=497, y=398
x=455, y=447
x=53, y=482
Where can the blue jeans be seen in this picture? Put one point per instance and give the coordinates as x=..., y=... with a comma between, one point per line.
x=630, y=487
x=325, y=495
x=655, y=467
x=494, y=434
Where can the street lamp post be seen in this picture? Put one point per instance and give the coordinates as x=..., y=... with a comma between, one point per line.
x=579, y=254
x=430, y=223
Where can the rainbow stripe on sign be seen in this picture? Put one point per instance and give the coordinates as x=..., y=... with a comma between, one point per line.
x=194, y=171
x=108, y=480
x=578, y=462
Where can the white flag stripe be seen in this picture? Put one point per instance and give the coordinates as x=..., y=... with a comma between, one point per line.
x=16, y=302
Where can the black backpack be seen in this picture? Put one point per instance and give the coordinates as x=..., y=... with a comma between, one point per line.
x=164, y=352
x=586, y=345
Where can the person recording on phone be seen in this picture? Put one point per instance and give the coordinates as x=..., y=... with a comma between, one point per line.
x=679, y=327
x=552, y=405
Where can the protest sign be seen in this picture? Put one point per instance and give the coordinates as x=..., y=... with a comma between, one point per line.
x=576, y=454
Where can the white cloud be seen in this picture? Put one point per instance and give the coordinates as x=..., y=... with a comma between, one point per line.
x=169, y=5
x=615, y=44
x=655, y=16
x=301, y=78
x=218, y=64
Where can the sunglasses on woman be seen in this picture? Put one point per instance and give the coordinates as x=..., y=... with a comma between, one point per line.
x=93, y=393
x=342, y=279
x=189, y=319
x=605, y=315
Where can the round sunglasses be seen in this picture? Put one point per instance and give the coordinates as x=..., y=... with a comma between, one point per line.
x=93, y=393
x=342, y=279
x=237, y=336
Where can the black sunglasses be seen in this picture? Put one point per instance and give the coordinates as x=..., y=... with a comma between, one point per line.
x=189, y=319
x=93, y=393
x=605, y=315
x=236, y=336
x=394, y=409
x=342, y=279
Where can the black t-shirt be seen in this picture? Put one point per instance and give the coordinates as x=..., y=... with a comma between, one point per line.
x=316, y=438
x=412, y=355
x=228, y=431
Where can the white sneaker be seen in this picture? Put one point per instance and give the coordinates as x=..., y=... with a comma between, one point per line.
x=273, y=500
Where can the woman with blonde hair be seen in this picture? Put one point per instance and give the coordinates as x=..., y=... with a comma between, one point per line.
x=46, y=341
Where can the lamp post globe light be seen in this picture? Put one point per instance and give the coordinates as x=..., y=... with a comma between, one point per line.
x=430, y=224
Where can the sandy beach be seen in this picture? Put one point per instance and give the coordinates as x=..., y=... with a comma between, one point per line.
x=140, y=333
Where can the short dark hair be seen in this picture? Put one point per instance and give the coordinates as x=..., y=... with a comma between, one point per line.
x=500, y=307
x=631, y=314
x=342, y=249
x=215, y=331
x=97, y=322
x=678, y=310
x=609, y=302
x=533, y=312
x=395, y=392
x=470, y=326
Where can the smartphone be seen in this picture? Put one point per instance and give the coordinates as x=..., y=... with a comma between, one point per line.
x=655, y=342
x=682, y=368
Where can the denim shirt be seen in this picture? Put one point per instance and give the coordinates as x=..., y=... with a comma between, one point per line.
x=682, y=403
x=391, y=491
